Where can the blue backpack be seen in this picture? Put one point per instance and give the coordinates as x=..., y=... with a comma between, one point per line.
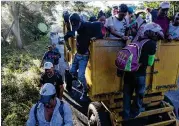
x=60, y=110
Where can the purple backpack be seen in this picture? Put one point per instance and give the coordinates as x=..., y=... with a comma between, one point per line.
x=128, y=57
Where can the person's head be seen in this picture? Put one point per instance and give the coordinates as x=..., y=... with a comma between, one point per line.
x=122, y=11
x=148, y=10
x=130, y=11
x=114, y=10
x=92, y=19
x=48, y=95
x=163, y=9
x=48, y=67
x=53, y=45
x=153, y=31
x=75, y=21
x=102, y=19
x=50, y=48
x=176, y=19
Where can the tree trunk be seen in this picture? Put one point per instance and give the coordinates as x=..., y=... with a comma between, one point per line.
x=16, y=29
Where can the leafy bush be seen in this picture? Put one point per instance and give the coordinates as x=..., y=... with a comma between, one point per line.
x=20, y=80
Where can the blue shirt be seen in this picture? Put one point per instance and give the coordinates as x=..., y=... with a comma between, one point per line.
x=56, y=119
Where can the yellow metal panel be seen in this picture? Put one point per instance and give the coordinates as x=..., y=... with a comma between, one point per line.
x=167, y=67
x=105, y=78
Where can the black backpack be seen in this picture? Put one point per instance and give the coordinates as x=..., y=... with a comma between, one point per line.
x=60, y=110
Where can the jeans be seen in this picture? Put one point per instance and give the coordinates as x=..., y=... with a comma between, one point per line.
x=133, y=82
x=79, y=63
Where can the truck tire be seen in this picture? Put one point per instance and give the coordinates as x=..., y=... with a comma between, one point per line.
x=97, y=115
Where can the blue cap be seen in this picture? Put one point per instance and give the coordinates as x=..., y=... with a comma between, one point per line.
x=130, y=10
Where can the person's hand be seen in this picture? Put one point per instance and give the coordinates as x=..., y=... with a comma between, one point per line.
x=68, y=35
x=93, y=38
x=169, y=38
x=125, y=37
x=69, y=48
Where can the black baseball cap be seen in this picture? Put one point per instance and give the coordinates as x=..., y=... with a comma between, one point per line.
x=123, y=8
x=75, y=20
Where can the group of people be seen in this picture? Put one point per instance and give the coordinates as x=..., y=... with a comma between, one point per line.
x=51, y=110
x=122, y=25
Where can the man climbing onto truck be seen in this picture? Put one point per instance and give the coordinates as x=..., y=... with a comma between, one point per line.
x=133, y=60
x=86, y=32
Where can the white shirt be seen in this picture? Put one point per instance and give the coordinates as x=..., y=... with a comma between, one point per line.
x=148, y=18
x=119, y=26
x=56, y=119
x=174, y=31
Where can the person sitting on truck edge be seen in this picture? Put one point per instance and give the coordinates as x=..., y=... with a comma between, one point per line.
x=49, y=56
x=51, y=76
x=86, y=32
x=102, y=19
x=117, y=24
x=174, y=28
x=162, y=18
x=49, y=110
x=137, y=80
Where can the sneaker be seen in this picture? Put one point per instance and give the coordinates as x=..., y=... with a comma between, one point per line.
x=135, y=114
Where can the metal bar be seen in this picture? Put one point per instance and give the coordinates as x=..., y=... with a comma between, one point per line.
x=164, y=123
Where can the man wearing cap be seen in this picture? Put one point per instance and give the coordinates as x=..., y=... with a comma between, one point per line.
x=50, y=111
x=86, y=31
x=49, y=56
x=117, y=24
x=162, y=18
x=50, y=76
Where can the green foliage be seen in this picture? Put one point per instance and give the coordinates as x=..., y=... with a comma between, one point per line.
x=108, y=11
x=79, y=6
x=20, y=80
x=29, y=21
x=155, y=5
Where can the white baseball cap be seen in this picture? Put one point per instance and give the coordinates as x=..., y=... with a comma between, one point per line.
x=47, y=92
x=165, y=5
x=48, y=65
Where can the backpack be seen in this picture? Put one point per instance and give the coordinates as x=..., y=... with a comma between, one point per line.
x=60, y=111
x=128, y=57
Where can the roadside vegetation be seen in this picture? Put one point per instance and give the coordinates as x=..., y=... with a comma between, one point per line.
x=20, y=79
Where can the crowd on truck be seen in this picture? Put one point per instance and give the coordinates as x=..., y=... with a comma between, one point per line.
x=131, y=62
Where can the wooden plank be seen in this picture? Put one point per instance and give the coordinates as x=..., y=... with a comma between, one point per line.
x=156, y=111
x=146, y=100
x=164, y=123
x=151, y=112
x=153, y=104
